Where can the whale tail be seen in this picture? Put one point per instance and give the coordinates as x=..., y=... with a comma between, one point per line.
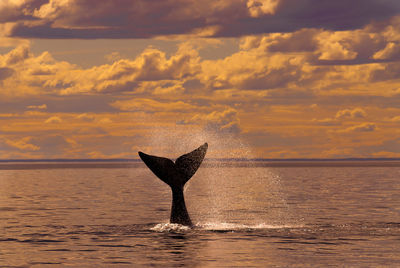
x=176, y=175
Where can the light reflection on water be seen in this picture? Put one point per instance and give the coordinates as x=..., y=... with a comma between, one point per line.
x=322, y=216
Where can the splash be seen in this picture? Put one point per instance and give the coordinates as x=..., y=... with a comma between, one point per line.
x=249, y=195
x=170, y=228
x=228, y=187
x=173, y=141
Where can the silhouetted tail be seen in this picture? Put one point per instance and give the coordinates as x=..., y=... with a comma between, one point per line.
x=178, y=173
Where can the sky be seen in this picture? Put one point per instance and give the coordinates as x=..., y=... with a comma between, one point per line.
x=253, y=78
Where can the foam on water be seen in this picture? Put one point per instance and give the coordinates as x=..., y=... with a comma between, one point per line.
x=218, y=226
x=170, y=227
x=226, y=226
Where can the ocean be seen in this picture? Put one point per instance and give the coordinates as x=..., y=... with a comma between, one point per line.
x=282, y=214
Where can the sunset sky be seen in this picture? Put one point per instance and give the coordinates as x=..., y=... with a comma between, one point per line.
x=254, y=78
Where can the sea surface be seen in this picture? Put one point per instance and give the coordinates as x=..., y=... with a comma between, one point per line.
x=302, y=214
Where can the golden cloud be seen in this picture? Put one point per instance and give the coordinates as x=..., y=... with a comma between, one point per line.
x=274, y=61
x=40, y=107
x=311, y=92
x=347, y=113
x=258, y=8
x=364, y=127
x=22, y=144
x=150, y=105
x=86, y=117
x=53, y=120
x=225, y=121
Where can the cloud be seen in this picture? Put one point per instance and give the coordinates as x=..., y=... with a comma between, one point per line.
x=72, y=142
x=253, y=69
x=15, y=56
x=347, y=113
x=389, y=71
x=53, y=120
x=303, y=40
x=127, y=75
x=86, y=117
x=105, y=120
x=392, y=50
x=22, y=144
x=297, y=61
x=40, y=107
x=326, y=122
x=334, y=46
x=341, y=115
x=40, y=74
x=150, y=105
x=15, y=10
x=395, y=119
x=144, y=19
x=258, y=8
x=5, y=73
x=225, y=121
x=364, y=127
x=113, y=56
x=325, y=47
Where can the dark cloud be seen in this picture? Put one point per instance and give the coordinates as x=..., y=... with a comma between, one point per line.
x=300, y=41
x=5, y=73
x=10, y=12
x=335, y=15
x=278, y=78
x=89, y=19
x=390, y=71
x=292, y=15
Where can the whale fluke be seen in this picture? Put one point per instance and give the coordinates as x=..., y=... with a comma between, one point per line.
x=176, y=175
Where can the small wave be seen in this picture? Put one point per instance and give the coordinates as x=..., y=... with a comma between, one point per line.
x=170, y=227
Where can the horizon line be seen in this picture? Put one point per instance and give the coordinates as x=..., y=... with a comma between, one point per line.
x=207, y=159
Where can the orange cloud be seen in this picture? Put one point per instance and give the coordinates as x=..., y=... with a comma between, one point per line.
x=347, y=113
x=86, y=117
x=278, y=61
x=305, y=92
x=53, y=120
x=395, y=119
x=40, y=107
x=258, y=8
x=225, y=121
x=149, y=105
x=22, y=144
x=364, y=127
x=392, y=50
